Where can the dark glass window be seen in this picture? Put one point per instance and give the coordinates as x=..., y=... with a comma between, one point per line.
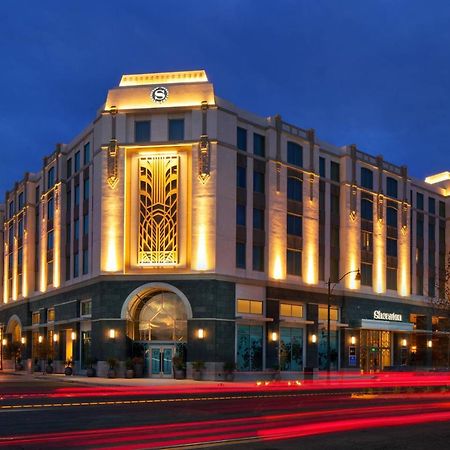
x=366, y=209
x=50, y=209
x=50, y=177
x=294, y=225
x=391, y=217
x=77, y=161
x=21, y=201
x=294, y=189
x=37, y=195
x=420, y=227
x=294, y=154
x=85, y=224
x=322, y=167
x=334, y=171
x=20, y=228
x=366, y=178
x=294, y=262
x=431, y=232
x=86, y=185
x=50, y=240
x=76, y=264
x=240, y=255
x=241, y=139
x=11, y=209
x=258, y=219
x=431, y=205
x=176, y=129
x=391, y=247
x=76, y=229
x=241, y=175
x=419, y=200
x=85, y=261
x=241, y=215
x=69, y=167
x=77, y=194
x=142, y=131
x=366, y=274
x=258, y=258
x=87, y=153
x=391, y=278
x=442, y=209
x=391, y=187
x=258, y=182
x=259, y=144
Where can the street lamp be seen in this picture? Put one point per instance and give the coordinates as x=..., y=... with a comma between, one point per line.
x=330, y=291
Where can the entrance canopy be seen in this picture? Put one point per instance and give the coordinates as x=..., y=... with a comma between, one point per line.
x=369, y=324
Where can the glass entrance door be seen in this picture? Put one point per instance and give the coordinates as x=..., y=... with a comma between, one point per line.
x=375, y=350
x=161, y=361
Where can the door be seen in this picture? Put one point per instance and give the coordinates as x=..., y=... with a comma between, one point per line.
x=161, y=361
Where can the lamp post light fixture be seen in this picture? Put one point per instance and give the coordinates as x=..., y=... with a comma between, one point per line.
x=331, y=285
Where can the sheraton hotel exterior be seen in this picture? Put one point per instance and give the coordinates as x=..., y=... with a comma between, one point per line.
x=176, y=220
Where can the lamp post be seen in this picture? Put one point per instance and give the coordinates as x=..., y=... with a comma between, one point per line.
x=331, y=285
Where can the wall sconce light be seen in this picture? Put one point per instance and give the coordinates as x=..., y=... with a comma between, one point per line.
x=314, y=338
x=40, y=339
x=4, y=341
x=429, y=343
x=55, y=337
x=404, y=342
x=112, y=333
x=73, y=335
x=274, y=336
x=201, y=333
x=353, y=340
x=23, y=340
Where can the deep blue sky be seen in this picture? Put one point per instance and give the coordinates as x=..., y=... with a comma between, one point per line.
x=371, y=72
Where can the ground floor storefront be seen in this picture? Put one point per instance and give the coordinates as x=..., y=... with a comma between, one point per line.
x=209, y=328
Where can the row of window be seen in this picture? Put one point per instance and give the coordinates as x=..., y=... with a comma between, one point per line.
x=142, y=130
x=85, y=311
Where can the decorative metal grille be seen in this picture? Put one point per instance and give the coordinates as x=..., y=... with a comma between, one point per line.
x=158, y=210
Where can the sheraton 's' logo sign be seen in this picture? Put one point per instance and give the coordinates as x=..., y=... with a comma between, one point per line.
x=393, y=317
x=159, y=94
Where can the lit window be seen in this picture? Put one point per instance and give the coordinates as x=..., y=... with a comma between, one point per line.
x=291, y=310
x=35, y=318
x=50, y=314
x=323, y=313
x=249, y=306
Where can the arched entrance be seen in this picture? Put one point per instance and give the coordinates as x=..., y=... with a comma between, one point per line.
x=14, y=330
x=157, y=316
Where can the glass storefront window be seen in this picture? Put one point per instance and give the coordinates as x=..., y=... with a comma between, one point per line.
x=249, y=347
x=291, y=349
x=85, y=348
x=322, y=348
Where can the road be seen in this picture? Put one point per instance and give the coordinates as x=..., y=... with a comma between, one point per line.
x=52, y=414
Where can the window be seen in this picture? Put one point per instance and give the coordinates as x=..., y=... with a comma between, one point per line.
x=294, y=189
x=249, y=347
x=68, y=232
x=391, y=247
x=36, y=318
x=366, y=178
x=294, y=262
x=240, y=255
x=249, y=306
x=322, y=167
x=442, y=209
x=50, y=177
x=391, y=187
x=258, y=182
x=366, y=241
x=419, y=200
x=76, y=263
x=68, y=201
x=291, y=310
x=11, y=209
x=431, y=231
x=431, y=205
x=291, y=348
x=37, y=195
x=258, y=219
x=366, y=209
x=87, y=153
x=85, y=224
x=241, y=143
x=86, y=186
x=50, y=208
x=259, y=144
x=21, y=202
x=334, y=313
x=50, y=242
x=10, y=237
x=69, y=168
x=86, y=308
x=334, y=171
x=294, y=225
x=241, y=212
x=366, y=274
x=391, y=217
x=76, y=229
x=391, y=278
x=420, y=227
x=77, y=195
x=85, y=261
x=176, y=129
x=294, y=154
x=77, y=161
x=142, y=131
x=20, y=228
x=241, y=175
x=258, y=258
x=20, y=257
x=50, y=314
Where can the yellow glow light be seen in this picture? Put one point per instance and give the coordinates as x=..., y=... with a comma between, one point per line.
x=202, y=254
x=353, y=340
x=379, y=254
x=55, y=337
x=23, y=340
x=111, y=264
x=40, y=339
x=112, y=333
x=57, y=239
x=443, y=176
x=201, y=333
x=429, y=343
x=404, y=342
x=191, y=76
x=274, y=336
x=73, y=335
x=278, y=268
x=4, y=342
x=313, y=338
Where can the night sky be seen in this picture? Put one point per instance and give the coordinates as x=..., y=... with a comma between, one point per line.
x=371, y=72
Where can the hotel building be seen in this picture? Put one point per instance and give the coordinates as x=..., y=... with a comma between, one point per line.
x=177, y=221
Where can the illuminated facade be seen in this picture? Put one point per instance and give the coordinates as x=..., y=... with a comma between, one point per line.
x=179, y=223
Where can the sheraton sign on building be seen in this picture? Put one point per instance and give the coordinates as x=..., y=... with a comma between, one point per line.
x=394, y=317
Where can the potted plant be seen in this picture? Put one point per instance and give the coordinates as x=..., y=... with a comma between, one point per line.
x=112, y=362
x=68, y=370
x=138, y=366
x=129, y=373
x=90, y=371
x=49, y=367
x=179, y=367
x=197, y=370
x=228, y=368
